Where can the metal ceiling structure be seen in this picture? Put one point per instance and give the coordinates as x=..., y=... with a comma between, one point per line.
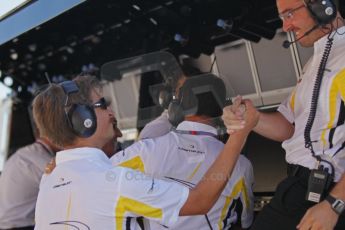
x=94, y=32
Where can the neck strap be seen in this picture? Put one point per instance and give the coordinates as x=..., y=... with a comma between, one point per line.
x=196, y=133
x=46, y=147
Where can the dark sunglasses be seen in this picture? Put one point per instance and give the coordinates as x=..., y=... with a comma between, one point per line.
x=101, y=103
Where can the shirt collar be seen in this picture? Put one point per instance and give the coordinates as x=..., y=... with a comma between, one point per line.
x=196, y=126
x=320, y=44
x=81, y=153
x=46, y=147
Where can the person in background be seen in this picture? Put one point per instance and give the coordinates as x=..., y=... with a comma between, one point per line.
x=161, y=125
x=185, y=154
x=19, y=184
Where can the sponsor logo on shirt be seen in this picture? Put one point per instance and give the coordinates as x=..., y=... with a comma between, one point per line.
x=191, y=149
x=62, y=183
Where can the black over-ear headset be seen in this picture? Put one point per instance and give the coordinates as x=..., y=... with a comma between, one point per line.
x=175, y=111
x=166, y=94
x=186, y=102
x=81, y=118
x=323, y=11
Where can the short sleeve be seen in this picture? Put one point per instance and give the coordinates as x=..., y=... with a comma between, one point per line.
x=135, y=156
x=154, y=199
x=286, y=108
x=340, y=79
x=156, y=128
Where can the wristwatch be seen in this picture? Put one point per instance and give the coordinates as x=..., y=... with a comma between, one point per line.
x=337, y=205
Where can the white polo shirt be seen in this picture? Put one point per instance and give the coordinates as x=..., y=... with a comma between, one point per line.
x=87, y=192
x=186, y=158
x=156, y=128
x=328, y=129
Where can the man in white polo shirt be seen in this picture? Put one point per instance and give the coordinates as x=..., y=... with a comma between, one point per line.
x=185, y=154
x=310, y=123
x=86, y=192
x=161, y=125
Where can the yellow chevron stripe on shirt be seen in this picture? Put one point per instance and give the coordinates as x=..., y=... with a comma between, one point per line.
x=337, y=87
x=292, y=100
x=190, y=177
x=340, y=80
x=125, y=204
x=135, y=163
x=238, y=188
x=68, y=213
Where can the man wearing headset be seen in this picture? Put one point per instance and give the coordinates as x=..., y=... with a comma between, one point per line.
x=185, y=153
x=310, y=122
x=20, y=179
x=161, y=125
x=86, y=192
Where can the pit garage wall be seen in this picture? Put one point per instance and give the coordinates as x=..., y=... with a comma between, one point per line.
x=264, y=72
x=5, y=127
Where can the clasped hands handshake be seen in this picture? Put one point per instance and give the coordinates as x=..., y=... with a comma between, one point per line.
x=240, y=116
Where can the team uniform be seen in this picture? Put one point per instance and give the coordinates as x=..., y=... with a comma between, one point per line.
x=156, y=128
x=328, y=128
x=86, y=192
x=19, y=184
x=184, y=156
x=327, y=134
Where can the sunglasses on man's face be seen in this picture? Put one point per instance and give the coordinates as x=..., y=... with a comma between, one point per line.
x=101, y=103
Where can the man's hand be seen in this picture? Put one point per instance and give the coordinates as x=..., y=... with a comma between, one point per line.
x=50, y=166
x=237, y=115
x=319, y=217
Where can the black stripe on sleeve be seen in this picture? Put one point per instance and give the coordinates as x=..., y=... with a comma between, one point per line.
x=341, y=120
x=128, y=223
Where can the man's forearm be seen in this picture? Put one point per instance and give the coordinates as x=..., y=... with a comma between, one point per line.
x=321, y=215
x=339, y=190
x=268, y=123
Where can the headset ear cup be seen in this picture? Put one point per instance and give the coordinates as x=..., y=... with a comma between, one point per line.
x=83, y=120
x=323, y=11
x=190, y=102
x=175, y=113
x=165, y=98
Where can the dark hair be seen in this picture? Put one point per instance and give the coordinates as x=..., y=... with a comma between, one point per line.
x=204, y=95
x=189, y=70
x=208, y=105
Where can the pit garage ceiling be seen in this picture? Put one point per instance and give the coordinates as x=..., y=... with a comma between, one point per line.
x=90, y=33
